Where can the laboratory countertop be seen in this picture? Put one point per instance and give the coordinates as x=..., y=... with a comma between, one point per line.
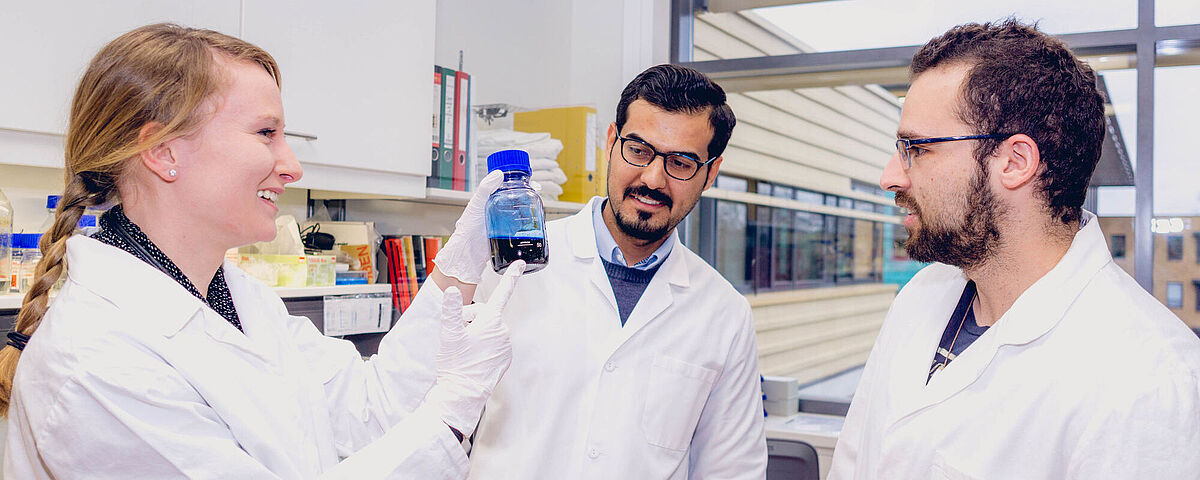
x=819, y=430
x=13, y=301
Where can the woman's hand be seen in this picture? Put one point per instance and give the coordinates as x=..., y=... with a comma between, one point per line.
x=474, y=353
x=466, y=253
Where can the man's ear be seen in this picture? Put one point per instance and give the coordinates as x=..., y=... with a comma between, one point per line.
x=1020, y=160
x=611, y=138
x=713, y=169
x=158, y=158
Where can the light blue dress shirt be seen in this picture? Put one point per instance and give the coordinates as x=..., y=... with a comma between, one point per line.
x=607, y=246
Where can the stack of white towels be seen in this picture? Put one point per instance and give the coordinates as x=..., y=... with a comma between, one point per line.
x=543, y=156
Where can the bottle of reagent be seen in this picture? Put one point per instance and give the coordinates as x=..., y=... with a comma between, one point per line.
x=516, y=223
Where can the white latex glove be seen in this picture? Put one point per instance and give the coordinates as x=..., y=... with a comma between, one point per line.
x=474, y=353
x=466, y=253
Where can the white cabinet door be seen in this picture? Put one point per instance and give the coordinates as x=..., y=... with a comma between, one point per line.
x=356, y=74
x=46, y=45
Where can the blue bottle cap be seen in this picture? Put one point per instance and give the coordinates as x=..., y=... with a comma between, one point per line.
x=508, y=161
x=52, y=201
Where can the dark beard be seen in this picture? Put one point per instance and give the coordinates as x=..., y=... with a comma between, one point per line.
x=969, y=245
x=640, y=227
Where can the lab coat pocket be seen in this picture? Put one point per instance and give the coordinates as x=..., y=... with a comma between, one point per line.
x=674, y=399
x=941, y=470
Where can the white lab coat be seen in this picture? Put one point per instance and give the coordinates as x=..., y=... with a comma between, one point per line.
x=1086, y=376
x=674, y=394
x=130, y=376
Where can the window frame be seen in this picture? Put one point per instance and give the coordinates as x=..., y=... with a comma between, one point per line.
x=1171, y=252
x=1196, y=286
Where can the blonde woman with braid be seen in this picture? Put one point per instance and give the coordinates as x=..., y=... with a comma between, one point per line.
x=158, y=360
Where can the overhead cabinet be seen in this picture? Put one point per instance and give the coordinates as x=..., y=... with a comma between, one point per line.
x=364, y=95
x=355, y=77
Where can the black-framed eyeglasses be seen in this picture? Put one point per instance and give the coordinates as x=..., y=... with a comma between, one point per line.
x=904, y=145
x=679, y=166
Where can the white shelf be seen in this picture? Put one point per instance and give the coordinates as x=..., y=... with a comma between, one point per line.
x=334, y=290
x=438, y=196
x=13, y=301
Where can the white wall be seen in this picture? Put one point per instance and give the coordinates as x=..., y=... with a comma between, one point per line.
x=543, y=53
x=27, y=188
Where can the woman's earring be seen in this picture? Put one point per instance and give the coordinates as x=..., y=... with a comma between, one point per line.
x=171, y=173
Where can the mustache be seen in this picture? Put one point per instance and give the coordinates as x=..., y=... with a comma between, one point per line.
x=644, y=191
x=903, y=200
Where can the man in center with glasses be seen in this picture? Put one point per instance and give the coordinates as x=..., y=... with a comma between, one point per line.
x=632, y=358
x=1023, y=352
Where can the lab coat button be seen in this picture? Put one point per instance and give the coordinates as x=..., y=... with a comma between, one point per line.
x=593, y=453
x=610, y=366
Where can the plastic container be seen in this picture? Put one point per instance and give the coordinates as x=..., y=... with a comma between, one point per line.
x=353, y=277
x=6, y=224
x=321, y=270
x=27, y=246
x=88, y=219
x=20, y=243
x=516, y=223
x=17, y=244
x=51, y=204
x=276, y=270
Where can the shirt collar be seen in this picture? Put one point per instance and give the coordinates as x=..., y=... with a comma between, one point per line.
x=611, y=253
x=131, y=285
x=119, y=231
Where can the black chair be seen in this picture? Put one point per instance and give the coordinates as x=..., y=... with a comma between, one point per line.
x=791, y=460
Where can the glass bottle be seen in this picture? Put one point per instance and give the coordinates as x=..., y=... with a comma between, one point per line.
x=6, y=225
x=516, y=222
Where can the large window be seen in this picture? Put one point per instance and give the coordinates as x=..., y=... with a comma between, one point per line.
x=782, y=248
x=766, y=248
x=726, y=182
x=843, y=246
x=732, y=260
x=810, y=248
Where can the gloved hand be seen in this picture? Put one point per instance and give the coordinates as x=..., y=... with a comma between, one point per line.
x=466, y=253
x=475, y=352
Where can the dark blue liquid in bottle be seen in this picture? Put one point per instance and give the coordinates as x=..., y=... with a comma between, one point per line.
x=516, y=223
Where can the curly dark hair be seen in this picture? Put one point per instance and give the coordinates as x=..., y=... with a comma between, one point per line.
x=676, y=88
x=1024, y=81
